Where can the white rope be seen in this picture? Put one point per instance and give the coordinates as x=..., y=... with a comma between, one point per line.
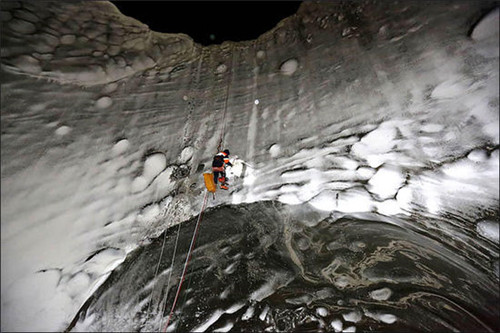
x=164, y=301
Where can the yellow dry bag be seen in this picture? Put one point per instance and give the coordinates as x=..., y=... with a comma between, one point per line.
x=209, y=182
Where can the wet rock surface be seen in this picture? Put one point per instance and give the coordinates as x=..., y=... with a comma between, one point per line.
x=256, y=267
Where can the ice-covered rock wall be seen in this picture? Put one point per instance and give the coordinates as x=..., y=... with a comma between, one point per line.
x=388, y=106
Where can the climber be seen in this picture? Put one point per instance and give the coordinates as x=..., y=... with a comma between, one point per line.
x=219, y=168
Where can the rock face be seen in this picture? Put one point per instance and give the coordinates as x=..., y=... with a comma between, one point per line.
x=351, y=97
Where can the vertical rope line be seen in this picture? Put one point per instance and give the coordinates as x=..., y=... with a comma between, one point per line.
x=219, y=147
x=156, y=272
x=164, y=302
x=188, y=258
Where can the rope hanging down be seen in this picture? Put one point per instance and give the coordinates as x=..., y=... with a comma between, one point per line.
x=188, y=258
x=191, y=247
x=219, y=147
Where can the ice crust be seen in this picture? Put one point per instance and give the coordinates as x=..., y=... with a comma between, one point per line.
x=107, y=127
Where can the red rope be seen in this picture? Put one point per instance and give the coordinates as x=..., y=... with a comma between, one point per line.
x=188, y=258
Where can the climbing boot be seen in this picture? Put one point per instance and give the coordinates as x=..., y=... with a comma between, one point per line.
x=222, y=180
x=224, y=187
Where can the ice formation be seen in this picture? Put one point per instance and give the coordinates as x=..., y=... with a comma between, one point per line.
x=107, y=126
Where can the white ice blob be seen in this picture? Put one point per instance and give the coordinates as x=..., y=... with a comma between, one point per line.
x=275, y=150
x=382, y=294
x=263, y=314
x=325, y=201
x=352, y=317
x=104, y=102
x=235, y=307
x=120, y=147
x=478, y=155
x=449, y=89
x=186, y=154
x=386, y=182
x=489, y=229
x=289, y=67
x=149, y=213
x=336, y=325
x=63, y=130
x=388, y=207
x=154, y=164
x=248, y=313
x=487, y=27
x=321, y=311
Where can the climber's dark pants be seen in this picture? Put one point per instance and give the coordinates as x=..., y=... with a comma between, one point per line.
x=218, y=172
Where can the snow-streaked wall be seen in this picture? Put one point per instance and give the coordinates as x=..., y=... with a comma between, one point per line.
x=107, y=126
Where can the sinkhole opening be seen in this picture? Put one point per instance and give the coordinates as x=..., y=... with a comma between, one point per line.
x=210, y=22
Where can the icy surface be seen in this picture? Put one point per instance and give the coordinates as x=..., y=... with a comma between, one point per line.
x=107, y=128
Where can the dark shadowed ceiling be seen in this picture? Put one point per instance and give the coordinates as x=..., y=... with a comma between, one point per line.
x=210, y=22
